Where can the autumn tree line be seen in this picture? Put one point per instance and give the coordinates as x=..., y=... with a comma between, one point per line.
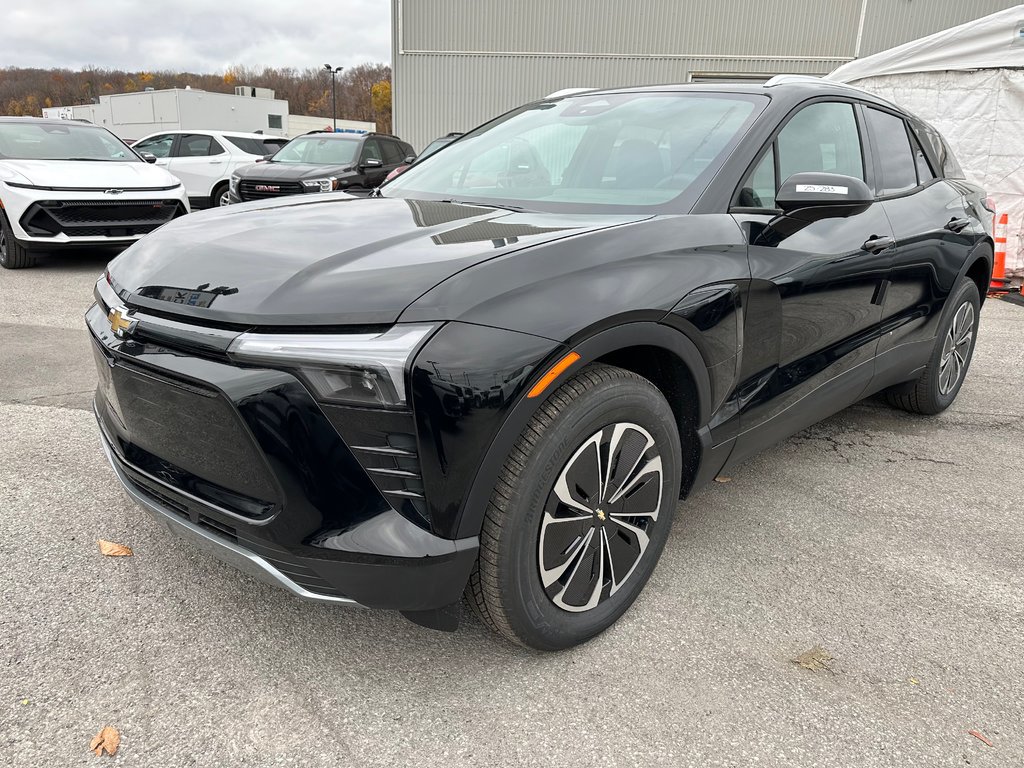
x=364, y=91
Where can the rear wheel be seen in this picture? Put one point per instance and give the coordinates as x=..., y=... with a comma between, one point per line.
x=937, y=387
x=220, y=195
x=13, y=255
x=580, y=513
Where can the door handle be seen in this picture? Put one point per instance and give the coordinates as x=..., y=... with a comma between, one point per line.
x=957, y=225
x=216, y=162
x=875, y=244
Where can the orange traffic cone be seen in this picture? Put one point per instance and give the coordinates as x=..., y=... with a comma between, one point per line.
x=1000, y=284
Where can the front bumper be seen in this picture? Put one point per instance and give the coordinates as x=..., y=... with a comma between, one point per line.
x=222, y=549
x=50, y=219
x=246, y=465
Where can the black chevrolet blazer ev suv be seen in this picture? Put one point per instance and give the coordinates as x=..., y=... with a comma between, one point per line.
x=496, y=377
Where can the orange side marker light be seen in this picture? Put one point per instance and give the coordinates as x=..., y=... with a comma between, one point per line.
x=553, y=373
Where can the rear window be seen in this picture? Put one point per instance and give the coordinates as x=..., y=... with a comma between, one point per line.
x=251, y=146
x=936, y=146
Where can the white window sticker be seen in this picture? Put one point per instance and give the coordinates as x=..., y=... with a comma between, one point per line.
x=822, y=189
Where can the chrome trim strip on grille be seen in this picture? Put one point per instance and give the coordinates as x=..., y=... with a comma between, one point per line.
x=406, y=494
x=384, y=451
x=225, y=551
x=394, y=472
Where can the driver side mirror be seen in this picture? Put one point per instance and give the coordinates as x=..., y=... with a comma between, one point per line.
x=148, y=157
x=409, y=159
x=810, y=197
x=372, y=162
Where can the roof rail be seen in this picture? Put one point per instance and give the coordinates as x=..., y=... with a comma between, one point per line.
x=568, y=92
x=785, y=79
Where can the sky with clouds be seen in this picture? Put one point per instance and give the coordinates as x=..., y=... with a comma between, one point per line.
x=204, y=36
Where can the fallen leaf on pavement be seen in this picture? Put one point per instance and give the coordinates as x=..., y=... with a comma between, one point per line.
x=980, y=737
x=110, y=549
x=107, y=739
x=723, y=479
x=815, y=659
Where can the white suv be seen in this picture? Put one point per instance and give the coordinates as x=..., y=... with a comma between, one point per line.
x=65, y=183
x=205, y=160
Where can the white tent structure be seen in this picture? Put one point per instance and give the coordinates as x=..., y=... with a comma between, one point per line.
x=968, y=82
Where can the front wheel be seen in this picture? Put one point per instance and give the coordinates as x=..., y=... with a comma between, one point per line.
x=937, y=387
x=13, y=255
x=580, y=513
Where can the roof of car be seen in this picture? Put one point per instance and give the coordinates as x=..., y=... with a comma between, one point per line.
x=794, y=87
x=215, y=132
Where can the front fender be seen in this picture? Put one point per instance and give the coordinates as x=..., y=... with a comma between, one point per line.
x=466, y=430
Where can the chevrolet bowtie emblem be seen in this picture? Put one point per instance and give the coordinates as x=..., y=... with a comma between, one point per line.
x=119, y=321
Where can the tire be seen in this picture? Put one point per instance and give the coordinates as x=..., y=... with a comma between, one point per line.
x=13, y=255
x=937, y=387
x=220, y=195
x=528, y=528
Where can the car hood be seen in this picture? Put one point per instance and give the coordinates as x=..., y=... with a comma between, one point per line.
x=271, y=171
x=335, y=260
x=84, y=174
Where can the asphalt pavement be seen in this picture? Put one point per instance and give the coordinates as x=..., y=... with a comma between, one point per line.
x=892, y=542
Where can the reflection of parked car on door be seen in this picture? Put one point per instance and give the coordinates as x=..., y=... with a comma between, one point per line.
x=430, y=149
x=205, y=160
x=65, y=183
x=322, y=162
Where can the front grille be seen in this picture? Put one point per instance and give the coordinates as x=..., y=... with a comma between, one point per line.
x=99, y=218
x=181, y=434
x=261, y=190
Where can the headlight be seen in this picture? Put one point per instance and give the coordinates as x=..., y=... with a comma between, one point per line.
x=234, y=183
x=324, y=185
x=354, y=368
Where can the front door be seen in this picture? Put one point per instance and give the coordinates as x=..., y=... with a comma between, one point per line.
x=813, y=312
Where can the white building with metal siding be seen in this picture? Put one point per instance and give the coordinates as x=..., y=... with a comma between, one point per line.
x=457, y=63
x=134, y=115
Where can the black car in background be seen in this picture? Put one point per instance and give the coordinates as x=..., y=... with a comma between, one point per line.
x=321, y=161
x=431, y=148
x=498, y=376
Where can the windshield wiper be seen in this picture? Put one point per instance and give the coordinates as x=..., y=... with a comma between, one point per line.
x=88, y=159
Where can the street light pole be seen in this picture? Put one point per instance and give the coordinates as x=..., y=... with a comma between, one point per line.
x=334, y=92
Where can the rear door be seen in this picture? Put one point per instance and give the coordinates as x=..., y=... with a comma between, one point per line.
x=200, y=162
x=813, y=312
x=393, y=154
x=935, y=232
x=374, y=174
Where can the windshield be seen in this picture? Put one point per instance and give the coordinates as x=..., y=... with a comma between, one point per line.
x=62, y=141
x=251, y=146
x=623, y=150
x=318, y=150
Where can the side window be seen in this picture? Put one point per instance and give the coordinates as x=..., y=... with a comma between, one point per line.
x=924, y=169
x=160, y=146
x=822, y=137
x=215, y=147
x=895, y=156
x=192, y=145
x=758, y=191
x=392, y=152
x=371, y=150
